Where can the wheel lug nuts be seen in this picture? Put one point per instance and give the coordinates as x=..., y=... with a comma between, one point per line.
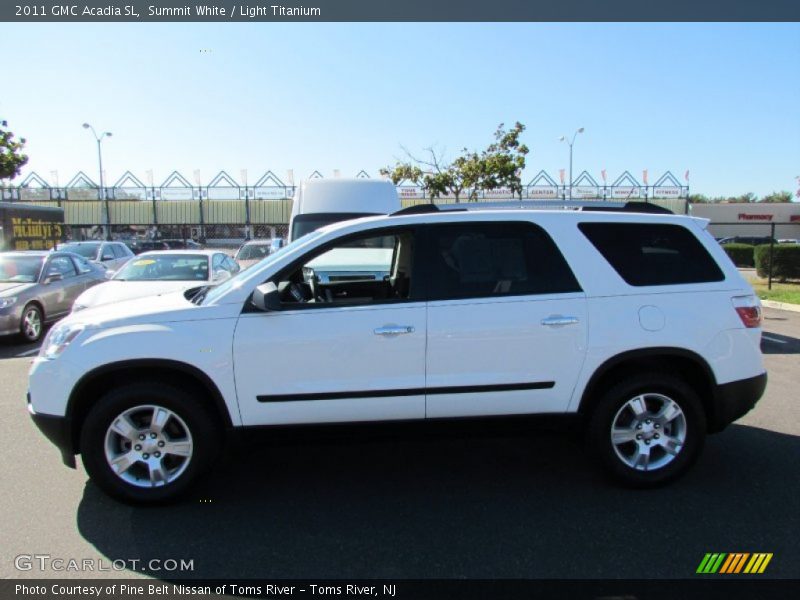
x=646, y=442
x=657, y=436
x=648, y=421
x=141, y=436
x=145, y=455
x=639, y=426
x=157, y=454
x=638, y=437
x=137, y=447
x=161, y=444
x=656, y=425
x=152, y=436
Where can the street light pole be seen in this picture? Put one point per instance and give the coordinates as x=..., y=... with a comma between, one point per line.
x=103, y=195
x=564, y=138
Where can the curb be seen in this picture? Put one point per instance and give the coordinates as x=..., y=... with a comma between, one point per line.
x=781, y=305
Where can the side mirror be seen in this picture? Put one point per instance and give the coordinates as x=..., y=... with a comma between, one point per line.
x=53, y=277
x=266, y=297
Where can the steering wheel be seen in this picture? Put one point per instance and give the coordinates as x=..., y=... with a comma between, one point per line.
x=298, y=292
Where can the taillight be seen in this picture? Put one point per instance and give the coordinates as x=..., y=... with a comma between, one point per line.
x=749, y=310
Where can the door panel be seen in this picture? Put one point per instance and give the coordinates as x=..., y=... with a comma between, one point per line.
x=321, y=365
x=501, y=355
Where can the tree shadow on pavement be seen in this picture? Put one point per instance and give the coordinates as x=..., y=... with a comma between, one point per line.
x=462, y=508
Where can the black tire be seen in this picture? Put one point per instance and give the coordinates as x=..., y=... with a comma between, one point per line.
x=610, y=408
x=192, y=414
x=25, y=333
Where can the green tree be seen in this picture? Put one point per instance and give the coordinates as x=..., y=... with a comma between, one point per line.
x=11, y=157
x=698, y=199
x=777, y=197
x=499, y=165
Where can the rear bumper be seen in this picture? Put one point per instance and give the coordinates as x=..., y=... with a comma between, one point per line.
x=58, y=430
x=735, y=399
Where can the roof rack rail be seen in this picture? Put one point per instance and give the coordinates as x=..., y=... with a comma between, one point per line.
x=581, y=205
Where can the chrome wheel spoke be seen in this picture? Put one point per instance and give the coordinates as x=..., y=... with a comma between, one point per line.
x=159, y=419
x=158, y=475
x=638, y=406
x=122, y=426
x=669, y=412
x=623, y=435
x=182, y=448
x=641, y=460
x=123, y=462
x=671, y=445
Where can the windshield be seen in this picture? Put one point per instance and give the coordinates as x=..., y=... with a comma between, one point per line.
x=234, y=281
x=165, y=267
x=20, y=269
x=309, y=222
x=85, y=250
x=253, y=252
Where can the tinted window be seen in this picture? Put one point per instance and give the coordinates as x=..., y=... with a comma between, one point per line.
x=472, y=260
x=651, y=254
x=118, y=251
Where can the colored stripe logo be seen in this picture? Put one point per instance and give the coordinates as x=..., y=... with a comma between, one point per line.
x=734, y=563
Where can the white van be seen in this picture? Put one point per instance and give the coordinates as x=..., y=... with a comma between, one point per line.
x=320, y=202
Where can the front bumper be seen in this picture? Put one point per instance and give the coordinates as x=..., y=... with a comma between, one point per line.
x=58, y=430
x=735, y=399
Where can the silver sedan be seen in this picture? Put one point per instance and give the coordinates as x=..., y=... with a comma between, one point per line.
x=39, y=287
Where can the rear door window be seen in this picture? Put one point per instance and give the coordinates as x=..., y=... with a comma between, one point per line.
x=478, y=260
x=653, y=254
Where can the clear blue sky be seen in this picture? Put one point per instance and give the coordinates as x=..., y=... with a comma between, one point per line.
x=722, y=100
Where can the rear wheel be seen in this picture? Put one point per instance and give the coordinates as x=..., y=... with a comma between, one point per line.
x=648, y=429
x=148, y=442
x=31, y=324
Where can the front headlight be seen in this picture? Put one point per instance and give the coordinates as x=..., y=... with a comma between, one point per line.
x=58, y=339
x=7, y=301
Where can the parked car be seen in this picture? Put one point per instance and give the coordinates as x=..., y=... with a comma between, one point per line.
x=253, y=251
x=753, y=240
x=109, y=255
x=788, y=241
x=39, y=287
x=636, y=325
x=160, y=272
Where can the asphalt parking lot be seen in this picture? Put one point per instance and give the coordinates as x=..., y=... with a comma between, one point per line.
x=530, y=507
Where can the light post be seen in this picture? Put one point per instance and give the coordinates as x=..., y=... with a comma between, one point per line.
x=564, y=138
x=103, y=195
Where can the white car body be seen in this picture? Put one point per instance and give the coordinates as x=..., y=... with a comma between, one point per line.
x=455, y=358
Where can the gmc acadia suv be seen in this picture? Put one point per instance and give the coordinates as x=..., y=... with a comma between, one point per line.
x=637, y=325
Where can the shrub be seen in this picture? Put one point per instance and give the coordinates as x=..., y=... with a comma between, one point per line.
x=740, y=254
x=785, y=259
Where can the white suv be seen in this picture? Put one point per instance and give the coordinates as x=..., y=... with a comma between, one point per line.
x=637, y=325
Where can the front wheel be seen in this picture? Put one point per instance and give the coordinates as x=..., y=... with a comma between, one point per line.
x=148, y=443
x=647, y=430
x=31, y=324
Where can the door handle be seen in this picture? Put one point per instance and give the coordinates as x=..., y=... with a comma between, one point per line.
x=393, y=330
x=559, y=321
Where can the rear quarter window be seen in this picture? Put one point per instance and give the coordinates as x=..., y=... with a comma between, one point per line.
x=653, y=254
